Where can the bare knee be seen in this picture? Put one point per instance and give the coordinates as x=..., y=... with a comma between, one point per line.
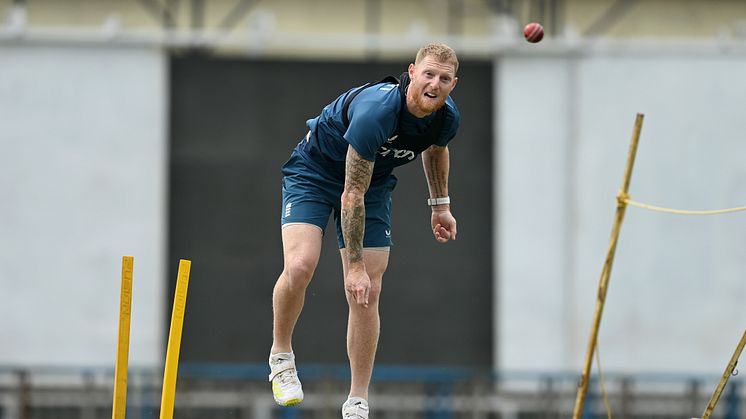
x=375, y=292
x=297, y=273
x=376, y=278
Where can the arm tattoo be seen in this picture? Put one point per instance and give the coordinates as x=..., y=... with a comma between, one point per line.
x=358, y=172
x=436, y=163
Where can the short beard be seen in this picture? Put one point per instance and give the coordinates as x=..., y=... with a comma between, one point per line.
x=427, y=107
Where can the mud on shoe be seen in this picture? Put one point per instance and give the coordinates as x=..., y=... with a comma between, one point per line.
x=355, y=408
x=286, y=386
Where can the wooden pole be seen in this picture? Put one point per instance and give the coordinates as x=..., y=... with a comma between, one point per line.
x=726, y=375
x=606, y=272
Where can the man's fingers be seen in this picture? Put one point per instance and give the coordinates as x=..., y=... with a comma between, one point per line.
x=354, y=293
x=360, y=294
x=445, y=233
x=442, y=234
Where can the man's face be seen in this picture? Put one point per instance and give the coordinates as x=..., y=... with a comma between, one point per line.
x=431, y=83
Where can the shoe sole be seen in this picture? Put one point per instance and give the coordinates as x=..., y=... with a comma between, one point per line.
x=291, y=402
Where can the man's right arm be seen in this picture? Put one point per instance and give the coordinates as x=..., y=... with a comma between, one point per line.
x=358, y=172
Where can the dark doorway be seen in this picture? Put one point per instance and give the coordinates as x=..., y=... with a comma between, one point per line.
x=233, y=124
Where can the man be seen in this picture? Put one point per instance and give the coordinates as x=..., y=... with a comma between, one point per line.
x=344, y=167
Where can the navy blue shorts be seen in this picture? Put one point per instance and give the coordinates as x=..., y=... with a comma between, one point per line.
x=309, y=196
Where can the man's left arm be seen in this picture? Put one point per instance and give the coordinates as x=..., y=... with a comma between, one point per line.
x=436, y=163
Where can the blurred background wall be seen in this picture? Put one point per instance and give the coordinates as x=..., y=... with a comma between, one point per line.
x=676, y=291
x=83, y=159
x=96, y=103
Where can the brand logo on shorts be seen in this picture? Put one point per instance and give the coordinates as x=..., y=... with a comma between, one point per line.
x=388, y=232
x=287, y=209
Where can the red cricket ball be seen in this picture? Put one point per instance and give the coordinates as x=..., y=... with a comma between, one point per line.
x=533, y=32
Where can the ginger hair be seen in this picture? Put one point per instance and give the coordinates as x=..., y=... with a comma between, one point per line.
x=441, y=52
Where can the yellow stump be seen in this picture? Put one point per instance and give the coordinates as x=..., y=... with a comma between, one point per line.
x=174, y=341
x=119, y=406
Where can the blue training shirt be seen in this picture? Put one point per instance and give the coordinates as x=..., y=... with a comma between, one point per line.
x=381, y=129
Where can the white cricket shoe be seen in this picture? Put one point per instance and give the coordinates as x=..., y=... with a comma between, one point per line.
x=355, y=408
x=286, y=386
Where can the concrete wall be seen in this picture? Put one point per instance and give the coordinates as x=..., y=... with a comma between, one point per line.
x=82, y=175
x=564, y=121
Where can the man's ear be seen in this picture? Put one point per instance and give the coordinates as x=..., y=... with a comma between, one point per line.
x=410, y=70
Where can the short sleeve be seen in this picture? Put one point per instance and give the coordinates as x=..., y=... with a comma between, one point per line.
x=451, y=124
x=372, y=121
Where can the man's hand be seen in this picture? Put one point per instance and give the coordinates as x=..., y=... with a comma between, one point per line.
x=357, y=285
x=444, y=225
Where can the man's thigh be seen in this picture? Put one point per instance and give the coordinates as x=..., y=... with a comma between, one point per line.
x=301, y=242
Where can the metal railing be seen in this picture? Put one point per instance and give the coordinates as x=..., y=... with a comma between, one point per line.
x=241, y=392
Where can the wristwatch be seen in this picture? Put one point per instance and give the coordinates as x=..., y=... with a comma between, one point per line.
x=439, y=201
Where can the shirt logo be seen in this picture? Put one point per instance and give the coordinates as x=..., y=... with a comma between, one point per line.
x=395, y=152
